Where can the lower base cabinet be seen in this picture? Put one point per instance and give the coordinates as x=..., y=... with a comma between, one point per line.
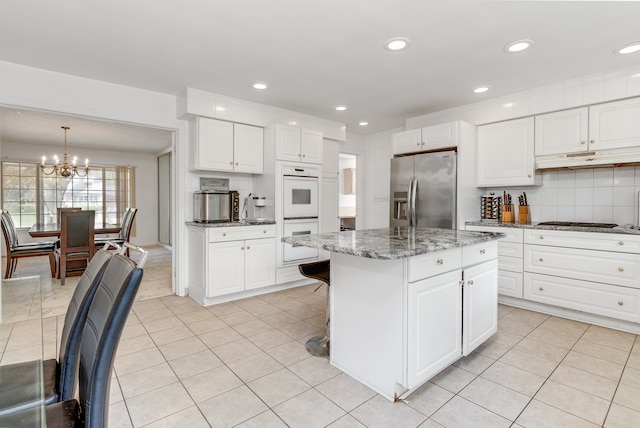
x=228, y=260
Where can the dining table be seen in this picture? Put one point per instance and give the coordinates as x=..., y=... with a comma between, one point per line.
x=42, y=230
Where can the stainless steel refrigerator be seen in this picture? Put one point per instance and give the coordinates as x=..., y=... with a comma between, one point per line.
x=423, y=190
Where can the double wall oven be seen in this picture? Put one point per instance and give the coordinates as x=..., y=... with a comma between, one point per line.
x=300, y=202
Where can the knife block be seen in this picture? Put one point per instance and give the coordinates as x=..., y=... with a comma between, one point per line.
x=524, y=216
x=508, y=214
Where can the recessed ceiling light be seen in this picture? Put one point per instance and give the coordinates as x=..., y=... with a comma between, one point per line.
x=481, y=89
x=260, y=85
x=628, y=49
x=341, y=108
x=397, y=44
x=518, y=46
x=363, y=123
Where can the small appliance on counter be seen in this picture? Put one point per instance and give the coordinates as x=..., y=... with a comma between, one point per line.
x=256, y=208
x=214, y=202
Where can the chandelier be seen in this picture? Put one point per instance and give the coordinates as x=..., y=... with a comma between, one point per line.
x=64, y=169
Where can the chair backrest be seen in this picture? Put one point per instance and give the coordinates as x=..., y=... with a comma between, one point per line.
x=106, y=319
x=8, y=230
x=74, y=321
x=127, y=223
x=77, y=231
x=61, y=209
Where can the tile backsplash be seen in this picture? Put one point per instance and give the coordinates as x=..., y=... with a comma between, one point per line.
x=605, y=195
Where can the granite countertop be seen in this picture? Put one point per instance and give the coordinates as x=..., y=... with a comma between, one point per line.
x=393, y=242
x=627, y=230
x=233, y=223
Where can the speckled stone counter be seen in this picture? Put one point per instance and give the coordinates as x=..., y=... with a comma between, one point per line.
x=626, y=230
x=393, y=242
x=232, y=223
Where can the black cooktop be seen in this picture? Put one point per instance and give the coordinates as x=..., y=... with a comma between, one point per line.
x=577, y=224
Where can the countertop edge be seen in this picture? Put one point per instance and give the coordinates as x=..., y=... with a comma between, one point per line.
x=618, y=229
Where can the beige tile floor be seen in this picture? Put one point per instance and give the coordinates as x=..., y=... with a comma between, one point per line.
x=243, y=364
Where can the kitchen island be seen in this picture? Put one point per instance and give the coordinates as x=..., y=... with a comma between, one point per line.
x=396, y=301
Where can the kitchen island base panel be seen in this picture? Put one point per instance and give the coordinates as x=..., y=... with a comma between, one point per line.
x=367, y=327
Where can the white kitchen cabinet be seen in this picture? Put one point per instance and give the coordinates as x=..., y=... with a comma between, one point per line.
x=614, y=125
x=510, y=261
x=230, y=261
x=428, y=138
x=407, y=141
x=561, y=132
x=480, y=313
x=217, y=145
x=330, y=159
x=298, y=145
x=506, y=154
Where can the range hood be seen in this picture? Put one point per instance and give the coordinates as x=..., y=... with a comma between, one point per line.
x=593, y=159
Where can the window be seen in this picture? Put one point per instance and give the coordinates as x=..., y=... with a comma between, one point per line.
x=33, y=197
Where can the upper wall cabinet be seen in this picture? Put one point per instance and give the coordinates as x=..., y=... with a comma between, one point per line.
x=330, y=158
x=614, y=125
x=301, y=145
x=217, y=145
x=505, y=154
x=562, y=132
x=427, y=138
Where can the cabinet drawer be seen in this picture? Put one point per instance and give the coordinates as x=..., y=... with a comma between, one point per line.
x=601, y=299
x=514, y=234
x=510, y=249
x=223, y=234
x=513, y=264
x=479, y=253
x=509, y=283
x=600, y=266
x=426, y=265
x=588, y=240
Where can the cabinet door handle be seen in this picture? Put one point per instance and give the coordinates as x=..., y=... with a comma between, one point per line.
x=482, y=251
x=304, y=156
x=620, y=303
x=248, y=247
x=242, y=248
x=236, y=163
x=264, y=231
x=592, y=142
x=231, y=163
x=417, y=144
x=470, y=282
x=461, y=283
x=620, y=242
x=583, y=142
x=620, y=269
x=541, y=259
x=440, y=261
x=529, y=175
x=541, y=288
x=224, y=234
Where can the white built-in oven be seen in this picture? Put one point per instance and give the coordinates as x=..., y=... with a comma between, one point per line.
x=300, y=192
x=292, y=253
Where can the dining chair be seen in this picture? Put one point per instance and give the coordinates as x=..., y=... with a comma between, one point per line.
x=15, y=250
x=22, y=386
x=125, y=232
x=77, y=245
x=106, y=318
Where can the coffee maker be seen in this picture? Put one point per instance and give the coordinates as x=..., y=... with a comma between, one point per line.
x=256, y=208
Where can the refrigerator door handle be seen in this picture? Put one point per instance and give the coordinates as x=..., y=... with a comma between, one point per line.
x=414, y=196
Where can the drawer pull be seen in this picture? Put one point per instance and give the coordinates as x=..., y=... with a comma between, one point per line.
x=470, y=282
x=541, y=288
x=440, y=261
x=620, y=303
x=224, y=234
x=620, y=242
x=541, y=237
x=482, y=251
x=620, y=269
x=264, y=231
x=541, y=259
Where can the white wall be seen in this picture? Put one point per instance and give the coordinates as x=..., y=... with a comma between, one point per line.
x=600, y=195
x=146, y=230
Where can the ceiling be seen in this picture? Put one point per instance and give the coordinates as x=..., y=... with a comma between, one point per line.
x=316, y=55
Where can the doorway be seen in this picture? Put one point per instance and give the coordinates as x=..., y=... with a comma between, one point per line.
x=347, y=191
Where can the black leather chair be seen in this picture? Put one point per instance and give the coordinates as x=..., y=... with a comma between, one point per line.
x=15, y=250
x=319, y=346
x=20, y=385
x=100, y=337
